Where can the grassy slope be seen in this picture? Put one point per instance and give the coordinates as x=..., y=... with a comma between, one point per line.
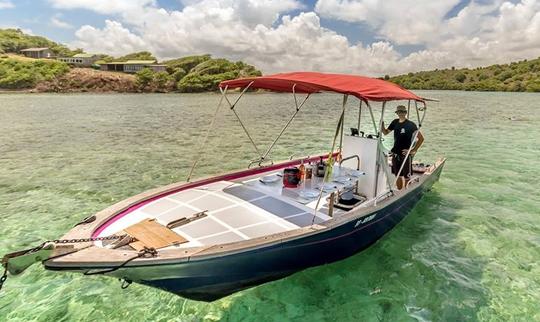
x=516, y=77
x=25, y=73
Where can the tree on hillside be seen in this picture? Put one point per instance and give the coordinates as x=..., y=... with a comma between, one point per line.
x=161, y=81
x=185, y=63
x=460, y=77
x=141, y=55
x=208, y=74
x=144, y=77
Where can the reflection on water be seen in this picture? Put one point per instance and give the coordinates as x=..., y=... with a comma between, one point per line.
x=469, y=251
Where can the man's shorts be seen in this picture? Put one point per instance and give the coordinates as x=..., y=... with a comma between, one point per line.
x=397, y=161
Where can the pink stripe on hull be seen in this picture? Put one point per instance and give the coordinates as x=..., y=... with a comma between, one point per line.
x=225, y=177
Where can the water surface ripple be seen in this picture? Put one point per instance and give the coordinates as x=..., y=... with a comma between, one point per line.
x=470, y=251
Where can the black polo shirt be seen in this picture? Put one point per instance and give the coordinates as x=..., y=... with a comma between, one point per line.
x=403, y=134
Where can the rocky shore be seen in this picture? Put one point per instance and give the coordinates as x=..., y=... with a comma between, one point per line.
x=79, y=80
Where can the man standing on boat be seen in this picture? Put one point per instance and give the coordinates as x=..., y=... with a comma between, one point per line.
x=404, y=130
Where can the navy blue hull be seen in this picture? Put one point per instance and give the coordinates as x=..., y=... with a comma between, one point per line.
x=211, y=279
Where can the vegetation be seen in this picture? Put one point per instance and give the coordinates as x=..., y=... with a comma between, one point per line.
x=187, y=74
x=21, y=74
x=194, y=74
x=141, y=55
x=208, y=74
x=514, y=77
x=14, y=40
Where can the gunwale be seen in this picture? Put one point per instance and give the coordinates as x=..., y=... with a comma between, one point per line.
x=91, y=256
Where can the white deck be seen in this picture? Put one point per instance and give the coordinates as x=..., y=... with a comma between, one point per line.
x=235, y=210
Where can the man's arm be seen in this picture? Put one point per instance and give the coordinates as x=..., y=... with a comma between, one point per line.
x=420, y=138
x=385, y=130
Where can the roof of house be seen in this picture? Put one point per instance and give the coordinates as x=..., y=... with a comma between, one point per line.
x=83, y=56
x=140, y=62
x=36, y=49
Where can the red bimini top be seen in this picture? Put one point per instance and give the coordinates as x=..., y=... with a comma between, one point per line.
x=365, y=88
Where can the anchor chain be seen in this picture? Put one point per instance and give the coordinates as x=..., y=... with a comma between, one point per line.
x=76, y=241
x=3, y=278
x=85, y=240
x=5, y=261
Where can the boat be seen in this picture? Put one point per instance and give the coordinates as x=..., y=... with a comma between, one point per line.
x=207, y=238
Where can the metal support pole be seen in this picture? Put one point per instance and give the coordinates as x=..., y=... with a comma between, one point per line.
x=423, y=116
x=417, y=112
x=232, y=106
x=326, y=173
x=294, y=95
x=298, y=107
x=372, y=118
x=408, y=107
x=223, y=95
x=359, y=116
x=342, y=126
x=379, y=140
x=406, y=156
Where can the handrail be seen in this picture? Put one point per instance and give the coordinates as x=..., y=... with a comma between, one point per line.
x=352, y=157
x=413, y=180
x=260, y=162
x=302, y=157
x=406, y=156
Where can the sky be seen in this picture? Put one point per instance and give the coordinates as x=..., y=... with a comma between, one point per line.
x=368, y=37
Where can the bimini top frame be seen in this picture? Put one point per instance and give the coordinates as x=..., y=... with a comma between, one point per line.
x=364, y=88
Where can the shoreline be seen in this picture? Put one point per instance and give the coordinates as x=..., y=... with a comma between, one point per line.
x=34, y=91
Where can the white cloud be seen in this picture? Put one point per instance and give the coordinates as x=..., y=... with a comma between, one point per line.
x=103, y=6
x=482, y=33
x=400, y=21
x=113, y=39
x=6, y=4
x=261, y=33
x=57, y=22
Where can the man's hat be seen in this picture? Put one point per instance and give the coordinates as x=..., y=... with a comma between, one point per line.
x=401, y=108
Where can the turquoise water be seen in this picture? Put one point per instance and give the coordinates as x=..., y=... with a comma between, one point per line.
x=470, y=251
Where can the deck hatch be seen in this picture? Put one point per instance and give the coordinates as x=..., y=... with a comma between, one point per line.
x=238, y=217
x=203, y=227
x=243, y=193
x=261, y=230
x=277, y=207
x=304, y=220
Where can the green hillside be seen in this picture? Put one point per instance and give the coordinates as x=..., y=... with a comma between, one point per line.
x=13, y=40
x=24, y=74
x=194, y=74
x=210, y=72
x=522, y=76
x=186, y=74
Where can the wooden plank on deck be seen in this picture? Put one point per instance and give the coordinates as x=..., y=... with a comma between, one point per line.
x=152, y=234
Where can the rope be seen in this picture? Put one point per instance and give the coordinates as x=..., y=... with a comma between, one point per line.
x=152, y=252
x=203, y=143
x=5, y=262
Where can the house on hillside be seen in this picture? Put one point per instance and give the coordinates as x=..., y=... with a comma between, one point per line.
x=84, y=60
x=133, y=66
x=43, y=52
